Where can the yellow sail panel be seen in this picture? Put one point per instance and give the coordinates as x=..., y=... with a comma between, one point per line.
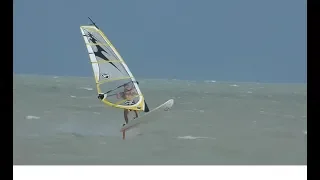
x=112, y=75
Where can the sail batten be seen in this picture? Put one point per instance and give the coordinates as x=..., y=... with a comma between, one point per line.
x=111, y=72
x=114, y=79
x=107, y=61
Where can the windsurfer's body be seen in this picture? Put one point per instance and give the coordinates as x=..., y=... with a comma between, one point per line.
x=128, y=94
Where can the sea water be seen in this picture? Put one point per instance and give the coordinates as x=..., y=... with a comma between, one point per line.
x=60, y=121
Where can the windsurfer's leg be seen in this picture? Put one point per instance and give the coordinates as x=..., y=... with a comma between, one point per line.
x=136, y=113
x=126, y=115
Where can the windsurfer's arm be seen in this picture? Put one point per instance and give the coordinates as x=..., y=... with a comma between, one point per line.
x=119, y=95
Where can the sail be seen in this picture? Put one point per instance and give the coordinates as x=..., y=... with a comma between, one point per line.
x=111, y=73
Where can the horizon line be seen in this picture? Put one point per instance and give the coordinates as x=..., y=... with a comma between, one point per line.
x=202, y=80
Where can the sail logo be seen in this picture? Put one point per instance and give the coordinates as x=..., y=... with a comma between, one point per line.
x=106, y=76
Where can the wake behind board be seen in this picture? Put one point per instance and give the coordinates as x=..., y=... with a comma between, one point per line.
x=151, y=115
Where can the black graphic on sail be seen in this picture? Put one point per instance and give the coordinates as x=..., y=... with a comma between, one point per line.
x=99, y=49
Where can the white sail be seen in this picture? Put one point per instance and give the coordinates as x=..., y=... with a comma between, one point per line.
x=110, y=71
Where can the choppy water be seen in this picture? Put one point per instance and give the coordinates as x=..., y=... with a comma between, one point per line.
x=59, y=120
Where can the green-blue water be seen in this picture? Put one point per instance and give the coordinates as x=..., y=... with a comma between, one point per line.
x=59, y=120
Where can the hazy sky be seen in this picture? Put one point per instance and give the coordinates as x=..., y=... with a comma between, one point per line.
x=223, y=40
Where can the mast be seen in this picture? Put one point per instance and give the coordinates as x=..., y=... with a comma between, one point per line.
x=93, y=23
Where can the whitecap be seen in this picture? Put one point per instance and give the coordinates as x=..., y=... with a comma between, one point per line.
x=288, y=116
x=32, y=117
x=87, y=88
x=210, y=81
x=194, y=137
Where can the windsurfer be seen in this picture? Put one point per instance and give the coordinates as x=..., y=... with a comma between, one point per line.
x=128, y=94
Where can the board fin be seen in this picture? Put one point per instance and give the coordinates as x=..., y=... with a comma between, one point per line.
x=146, y=108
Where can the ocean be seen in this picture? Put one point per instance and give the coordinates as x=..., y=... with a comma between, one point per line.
x=60, y=121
